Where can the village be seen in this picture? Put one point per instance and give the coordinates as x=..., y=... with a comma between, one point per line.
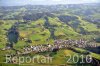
x=59, y=44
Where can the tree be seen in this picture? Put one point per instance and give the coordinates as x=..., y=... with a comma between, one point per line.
x=13, y=35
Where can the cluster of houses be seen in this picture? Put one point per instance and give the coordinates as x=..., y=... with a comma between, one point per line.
x=59, y=44
x=81, y=43
x=70, y=42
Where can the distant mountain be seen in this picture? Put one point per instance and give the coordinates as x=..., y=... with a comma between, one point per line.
x=44, y=2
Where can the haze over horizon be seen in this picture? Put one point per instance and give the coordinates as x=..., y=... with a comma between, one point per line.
x=43, y=2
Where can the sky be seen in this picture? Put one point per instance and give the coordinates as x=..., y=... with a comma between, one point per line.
x=43, y=2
